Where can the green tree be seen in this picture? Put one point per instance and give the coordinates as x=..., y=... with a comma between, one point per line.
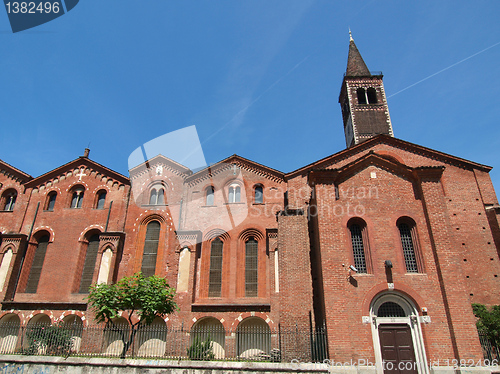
x=146, y=297
x=488, y=321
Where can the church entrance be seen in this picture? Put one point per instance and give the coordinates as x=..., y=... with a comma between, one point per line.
x=397, y=350
x=397, y=336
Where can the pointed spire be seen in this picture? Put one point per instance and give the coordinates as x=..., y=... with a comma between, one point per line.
x=356, y=67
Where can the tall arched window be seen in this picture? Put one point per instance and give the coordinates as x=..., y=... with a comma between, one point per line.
x=51, y=201
x=150, y=248
x=37, y=264
x=215, y=276
x=101, y=199
x=259, y=195
x=77, y=197
x=408, y=242
x=89, y=265
x=359, y=245
x=210, y=195
x=9, y=200
x=251, y=267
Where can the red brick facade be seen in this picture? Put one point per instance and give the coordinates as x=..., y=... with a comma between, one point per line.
x=300, y=225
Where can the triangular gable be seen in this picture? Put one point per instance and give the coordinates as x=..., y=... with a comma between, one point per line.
x=164, y=162
x=75, y=164
x=14, y=173
x=240, y=162
x=339, y=175
x=396, y=143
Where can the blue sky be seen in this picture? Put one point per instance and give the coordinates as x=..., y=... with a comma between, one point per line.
x=259, y=78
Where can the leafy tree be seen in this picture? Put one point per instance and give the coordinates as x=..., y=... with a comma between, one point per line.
x=488, y=321
x=146, y=297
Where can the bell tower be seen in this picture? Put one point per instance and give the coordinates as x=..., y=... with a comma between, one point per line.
x=362, y=98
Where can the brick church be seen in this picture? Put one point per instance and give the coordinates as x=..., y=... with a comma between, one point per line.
x=386, y=243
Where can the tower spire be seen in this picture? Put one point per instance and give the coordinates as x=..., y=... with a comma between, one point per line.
x=362, y=99
x=356, y=66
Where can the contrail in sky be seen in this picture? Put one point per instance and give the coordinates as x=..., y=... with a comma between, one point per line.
x=440, y=71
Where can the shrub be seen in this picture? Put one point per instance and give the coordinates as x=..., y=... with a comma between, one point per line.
x=201, y=349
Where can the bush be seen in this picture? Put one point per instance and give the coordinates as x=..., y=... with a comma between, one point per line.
x=201, y=349
x=48, y=340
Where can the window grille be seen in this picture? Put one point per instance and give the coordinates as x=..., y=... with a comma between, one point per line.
x=37, y=264
x=408, y=248
x=251, y=268
x=89, y=265
x=215, y=276
x=150, y=248
x=390, y=309
x=358, y=248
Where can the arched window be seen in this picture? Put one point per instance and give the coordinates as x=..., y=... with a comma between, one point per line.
x=251, y=267
x=150, y=248
x=157, y=195
x=101, y=199
x=359, y=245
x=259, y=195
x=215, y=276
x=408, y=242
x=51, y=201
x=77, y=197
x=361, y=95
x=37, y=264
x=89, y=265
x=210, y=195
x=234, y=193
x=9, y=200
x=153, y=197
x=390, y=309
x=371, y=94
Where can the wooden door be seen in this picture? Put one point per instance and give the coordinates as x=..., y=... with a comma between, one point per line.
x=397, y=349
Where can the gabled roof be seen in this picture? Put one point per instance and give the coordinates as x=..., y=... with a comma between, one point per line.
x=10, y=170
x=356, y=66
x=74, y=164
x=240, y=161
x=396, y=143
x=174, y=166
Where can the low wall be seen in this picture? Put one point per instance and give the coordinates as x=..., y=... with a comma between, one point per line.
x=10, y=364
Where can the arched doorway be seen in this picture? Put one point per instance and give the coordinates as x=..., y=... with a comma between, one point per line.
x=208, y=328
x=152, y=339
x=9, y=332
x=74, y=326
x=253, y=338
x=113, y=343
x=397, y=336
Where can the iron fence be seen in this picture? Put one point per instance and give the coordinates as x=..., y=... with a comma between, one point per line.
x=251, y=343
x=490, y=351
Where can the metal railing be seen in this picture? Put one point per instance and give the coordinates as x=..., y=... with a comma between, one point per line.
x=490, y=352
x=251, y=343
